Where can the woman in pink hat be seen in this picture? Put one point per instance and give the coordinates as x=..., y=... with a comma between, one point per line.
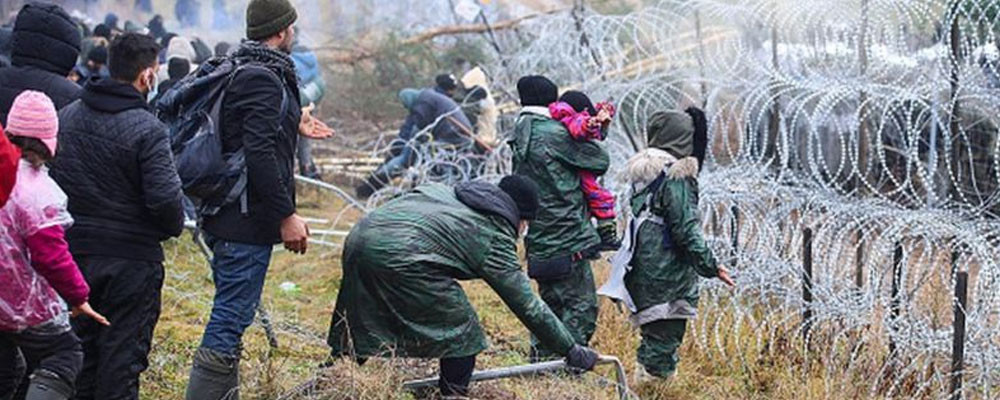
x=38, y=273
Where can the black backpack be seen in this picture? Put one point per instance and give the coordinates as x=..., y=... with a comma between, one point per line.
x=192, y=112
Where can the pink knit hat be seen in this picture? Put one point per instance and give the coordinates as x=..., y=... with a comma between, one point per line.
x=33, y=115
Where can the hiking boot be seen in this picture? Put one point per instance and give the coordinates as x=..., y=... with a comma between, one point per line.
x=608, y=231
x=214, y=376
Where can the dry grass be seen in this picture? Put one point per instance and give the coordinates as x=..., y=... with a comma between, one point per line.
x=724, y=356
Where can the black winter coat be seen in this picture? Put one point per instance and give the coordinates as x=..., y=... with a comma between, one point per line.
x=251, y=115
x=429, y=106
x=45, y=44
x=115, y=165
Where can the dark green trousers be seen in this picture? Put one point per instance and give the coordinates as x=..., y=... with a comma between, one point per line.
x=661, y=341
x=574, y=301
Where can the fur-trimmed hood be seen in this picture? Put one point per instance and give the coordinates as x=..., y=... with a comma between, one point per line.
x=646, y=165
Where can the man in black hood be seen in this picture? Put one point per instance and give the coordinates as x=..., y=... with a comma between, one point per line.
x=117, y=170
x=45, y=45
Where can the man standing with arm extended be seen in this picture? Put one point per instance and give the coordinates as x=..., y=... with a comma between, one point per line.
x=116, y=168
x=260, y=115
x=561, y=236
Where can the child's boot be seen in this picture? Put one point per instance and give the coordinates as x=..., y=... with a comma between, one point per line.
x=608, y=230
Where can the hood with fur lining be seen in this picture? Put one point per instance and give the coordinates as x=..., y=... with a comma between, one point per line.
x=646, y=165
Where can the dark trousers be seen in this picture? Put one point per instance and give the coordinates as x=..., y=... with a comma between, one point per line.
x=661, y=343
x=127, y=292
x=574, y=301
x=23, y=353
x=455, y=375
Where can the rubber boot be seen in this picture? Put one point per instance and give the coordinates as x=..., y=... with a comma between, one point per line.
x=607, y=229
x=214, y=376
x=47, y=385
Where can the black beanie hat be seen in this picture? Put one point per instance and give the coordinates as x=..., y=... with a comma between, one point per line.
x=524, y=191
x=537, y=90
x=579, y=101
x=446, y=81
x=265, y=18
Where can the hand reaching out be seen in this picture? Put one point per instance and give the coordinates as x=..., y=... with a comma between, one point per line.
x=725, y=278
x=86, y=310
x=311, y=127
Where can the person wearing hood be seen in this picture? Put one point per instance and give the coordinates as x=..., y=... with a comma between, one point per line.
x=45, y=47
x=177, y=47
x=426, y=107
x=177, y=69
x=562, y=240
x=664, y=252
x=116, y=167
x=400, y=294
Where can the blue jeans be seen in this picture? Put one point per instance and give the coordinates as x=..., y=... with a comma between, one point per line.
x=238, y=271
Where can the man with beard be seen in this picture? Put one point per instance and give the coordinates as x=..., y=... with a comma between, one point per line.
x=260, y=116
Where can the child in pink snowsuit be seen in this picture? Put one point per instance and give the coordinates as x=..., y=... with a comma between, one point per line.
x=585, y=122
x=37, y=272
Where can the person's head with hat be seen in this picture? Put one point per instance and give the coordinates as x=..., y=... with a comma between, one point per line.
x=446, y=84
x=537, y=91
x=97, y=58
x=680, y=133
x=33, y=126
x=271, y=23
x=524, y=192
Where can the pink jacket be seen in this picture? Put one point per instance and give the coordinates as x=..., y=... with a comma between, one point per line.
x=577, y=122
x=35, y=265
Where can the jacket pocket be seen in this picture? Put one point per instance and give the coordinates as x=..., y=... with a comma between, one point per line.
x=550, y=269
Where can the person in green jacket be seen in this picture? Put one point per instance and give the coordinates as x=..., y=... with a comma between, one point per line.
x=562, y=239
x=400, y=295
x=664, y=252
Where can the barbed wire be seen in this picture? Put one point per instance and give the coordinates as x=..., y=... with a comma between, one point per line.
x=870, y=122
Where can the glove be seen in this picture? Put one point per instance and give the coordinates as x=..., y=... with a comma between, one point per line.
x=581, y=357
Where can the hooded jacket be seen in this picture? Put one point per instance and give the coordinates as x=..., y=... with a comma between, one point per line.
x=429, y=105
x=178, y=47
x=401, y=263
x=116, y=167
x=663, y=281
x=45, y=46
x=545, y=153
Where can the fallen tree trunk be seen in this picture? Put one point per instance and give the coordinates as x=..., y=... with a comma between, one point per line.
x=342, y=55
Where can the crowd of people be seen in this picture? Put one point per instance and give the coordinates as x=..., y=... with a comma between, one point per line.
x=93, y=179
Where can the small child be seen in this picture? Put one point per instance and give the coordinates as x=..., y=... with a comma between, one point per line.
x=585, y=122
x=36, y=268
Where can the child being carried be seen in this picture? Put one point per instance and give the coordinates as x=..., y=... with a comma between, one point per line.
x=584, y=121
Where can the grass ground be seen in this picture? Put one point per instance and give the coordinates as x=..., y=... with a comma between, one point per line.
x=721, y=359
